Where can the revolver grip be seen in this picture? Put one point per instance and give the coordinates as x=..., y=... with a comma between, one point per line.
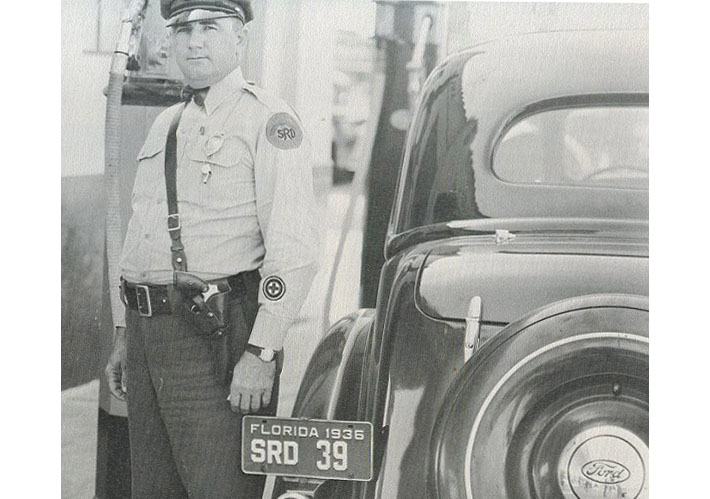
x=189, y=284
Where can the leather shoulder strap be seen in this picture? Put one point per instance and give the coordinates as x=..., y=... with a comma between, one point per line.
x=174, y=226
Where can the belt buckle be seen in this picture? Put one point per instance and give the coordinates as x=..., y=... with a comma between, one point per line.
x=174, y=222
x=143, y=300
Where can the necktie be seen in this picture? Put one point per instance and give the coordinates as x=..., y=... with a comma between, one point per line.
x=196, y=94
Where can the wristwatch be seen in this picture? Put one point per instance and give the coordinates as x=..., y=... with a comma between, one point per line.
x=264, y=354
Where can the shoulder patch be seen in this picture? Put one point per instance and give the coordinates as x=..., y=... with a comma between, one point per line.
x=284, y=132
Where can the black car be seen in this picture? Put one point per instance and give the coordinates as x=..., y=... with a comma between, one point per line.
x=507, y=356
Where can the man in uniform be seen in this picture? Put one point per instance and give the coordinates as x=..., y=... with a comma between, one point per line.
x=244, y=221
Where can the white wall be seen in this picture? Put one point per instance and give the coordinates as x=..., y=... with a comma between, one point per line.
x=473, y=22
x=84, y=76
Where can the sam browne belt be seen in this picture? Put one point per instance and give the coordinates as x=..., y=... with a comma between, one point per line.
x=209, y=307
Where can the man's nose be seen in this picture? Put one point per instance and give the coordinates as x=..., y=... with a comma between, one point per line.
x=197, y=39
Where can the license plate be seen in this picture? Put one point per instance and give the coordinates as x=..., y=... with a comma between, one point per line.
x=312, y=448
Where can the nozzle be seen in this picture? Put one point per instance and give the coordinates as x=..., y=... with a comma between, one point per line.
x=134, y=10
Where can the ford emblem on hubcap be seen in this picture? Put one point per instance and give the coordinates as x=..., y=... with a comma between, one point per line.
x=605, y=471
x=604, y=462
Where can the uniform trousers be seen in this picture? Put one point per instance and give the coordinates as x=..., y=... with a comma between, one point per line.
x=185, y=440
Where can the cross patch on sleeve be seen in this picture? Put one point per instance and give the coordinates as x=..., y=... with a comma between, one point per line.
x=274, y=288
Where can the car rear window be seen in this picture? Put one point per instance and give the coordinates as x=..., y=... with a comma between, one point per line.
x=605, y=146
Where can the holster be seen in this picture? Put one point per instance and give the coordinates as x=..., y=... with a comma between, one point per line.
x=205, y=306
x=223, y=315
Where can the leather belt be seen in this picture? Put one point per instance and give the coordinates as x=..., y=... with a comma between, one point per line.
x=154, y=299
x=147, y=299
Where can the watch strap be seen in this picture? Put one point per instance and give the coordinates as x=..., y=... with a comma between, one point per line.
x=260, y=352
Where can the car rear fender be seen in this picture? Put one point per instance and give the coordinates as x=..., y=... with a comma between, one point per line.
x=330, y=388
x=570, y=372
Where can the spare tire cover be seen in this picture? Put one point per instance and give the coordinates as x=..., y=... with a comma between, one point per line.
x=554, y=406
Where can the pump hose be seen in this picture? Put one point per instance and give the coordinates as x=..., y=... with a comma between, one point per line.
x=114, y=229
x=112, y=144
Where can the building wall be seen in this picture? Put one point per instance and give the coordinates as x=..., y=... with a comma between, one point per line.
x=84, y=76
x=474, y=22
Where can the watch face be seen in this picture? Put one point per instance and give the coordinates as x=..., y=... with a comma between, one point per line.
x=264, y=354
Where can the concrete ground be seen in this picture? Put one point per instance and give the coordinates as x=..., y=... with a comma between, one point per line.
x=79, y=424
x=80, y=404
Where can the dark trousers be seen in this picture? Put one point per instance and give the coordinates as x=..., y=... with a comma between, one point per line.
x=185, y=440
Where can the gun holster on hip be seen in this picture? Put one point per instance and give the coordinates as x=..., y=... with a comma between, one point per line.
x=207, y=306
x=215, y=310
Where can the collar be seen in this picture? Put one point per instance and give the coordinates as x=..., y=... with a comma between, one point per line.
x=223, y=89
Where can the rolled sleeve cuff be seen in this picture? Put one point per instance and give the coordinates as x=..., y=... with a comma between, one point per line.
x=269, y=330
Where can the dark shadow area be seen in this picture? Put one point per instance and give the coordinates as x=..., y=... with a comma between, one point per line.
x=82, y=264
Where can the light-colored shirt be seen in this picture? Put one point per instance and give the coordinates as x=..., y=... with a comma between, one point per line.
x=245, y=200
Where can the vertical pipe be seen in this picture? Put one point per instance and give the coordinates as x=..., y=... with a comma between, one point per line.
x=112, y=138
x=112, y=453
x=397, y=30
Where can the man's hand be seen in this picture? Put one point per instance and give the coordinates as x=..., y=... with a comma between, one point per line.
x=116, y=372
x=252, y=382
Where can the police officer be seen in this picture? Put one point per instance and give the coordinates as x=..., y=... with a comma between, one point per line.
x=245, y=222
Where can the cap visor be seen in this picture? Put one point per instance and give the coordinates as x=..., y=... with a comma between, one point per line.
x=195, y=15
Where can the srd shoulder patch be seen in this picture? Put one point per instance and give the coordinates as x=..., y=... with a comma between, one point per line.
x=284, y=132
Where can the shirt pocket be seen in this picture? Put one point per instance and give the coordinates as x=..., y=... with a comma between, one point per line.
x=231, y=178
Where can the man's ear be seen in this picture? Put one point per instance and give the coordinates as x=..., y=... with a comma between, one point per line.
x=243, y=36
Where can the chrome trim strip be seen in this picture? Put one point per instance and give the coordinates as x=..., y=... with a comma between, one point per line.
x=340, y=374
x=385, y=423
x=294, y=495
x=472, y=340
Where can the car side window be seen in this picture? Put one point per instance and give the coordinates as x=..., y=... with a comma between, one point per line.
x=603, y=146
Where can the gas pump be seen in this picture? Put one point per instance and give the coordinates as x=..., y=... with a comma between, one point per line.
x=143, y=80
x=410, y=34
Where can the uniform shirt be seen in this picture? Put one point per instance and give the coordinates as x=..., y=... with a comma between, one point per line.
x=245, y=200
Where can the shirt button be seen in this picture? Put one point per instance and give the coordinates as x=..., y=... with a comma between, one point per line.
x=147, y=236
x=159, y=201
